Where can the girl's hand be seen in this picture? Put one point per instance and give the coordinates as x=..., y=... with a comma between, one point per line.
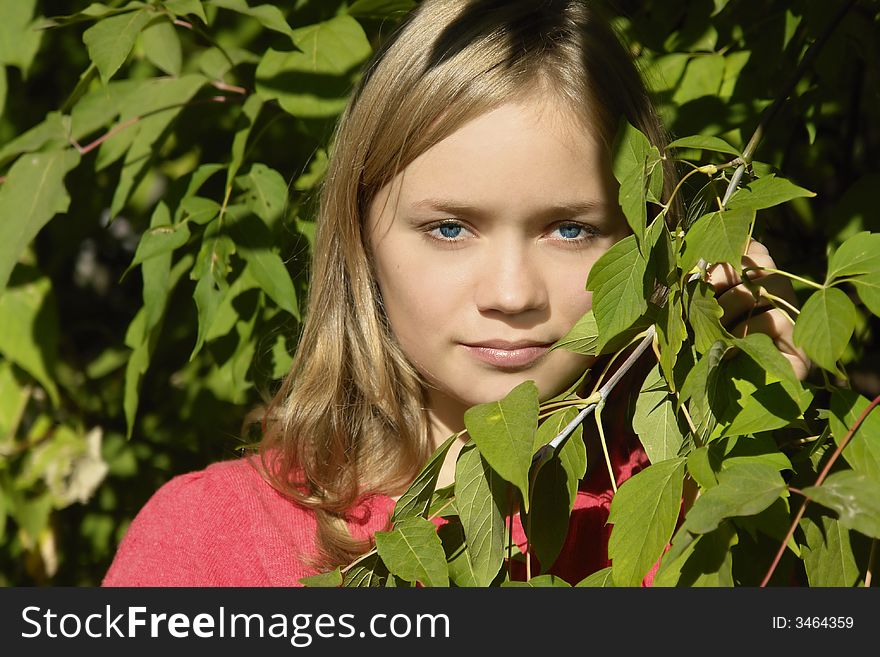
x=743, y=314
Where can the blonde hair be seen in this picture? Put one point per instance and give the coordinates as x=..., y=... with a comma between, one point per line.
x=349, y=419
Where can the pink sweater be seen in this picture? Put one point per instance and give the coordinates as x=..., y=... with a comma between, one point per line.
x=225, y=526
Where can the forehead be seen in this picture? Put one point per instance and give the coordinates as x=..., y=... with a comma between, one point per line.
x=525, y=154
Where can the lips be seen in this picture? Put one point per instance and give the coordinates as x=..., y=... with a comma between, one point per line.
x=509, y=355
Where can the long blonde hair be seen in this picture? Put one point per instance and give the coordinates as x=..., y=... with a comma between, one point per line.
x=349, y=419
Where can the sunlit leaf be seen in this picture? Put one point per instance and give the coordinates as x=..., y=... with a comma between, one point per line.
x=480, y=498
x=504, y=431
x=765, y=192
x=31, y=195
x=314, y=81
x=331, y=579
x=854, y=496
x=825, y=326
x=862, y=451
x=540, y=581
x=828, y=556
x=618, y=286
x=860, y=254
x=162, y=46
x=743, y=489
x=417, y=498
x=599, y=579
x=111, y=39
x=718, y=237
x=583, y=338
x=269, y=16
x=704, y=142
x=654, y=419
x=644, y=512
x=412, y=551
x=632, y=152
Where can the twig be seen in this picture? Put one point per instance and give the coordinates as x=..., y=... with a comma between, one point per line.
x=837, y=452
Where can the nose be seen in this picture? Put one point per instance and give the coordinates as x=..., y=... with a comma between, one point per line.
x=511, y=281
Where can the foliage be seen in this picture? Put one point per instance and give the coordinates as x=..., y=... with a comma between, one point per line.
x=159, y=160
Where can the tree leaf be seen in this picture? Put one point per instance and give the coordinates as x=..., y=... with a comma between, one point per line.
x=654, y=419
x=706, y=143
x=572, y=454
x=868, y=289
x=269, y=15
x=854, y=496
x=315, y=81
x=743, y=489
x=828, y=557
x=825, y=326
x=413, y=552
x=164, y=238
x=331, y=579
x=19, y=40
x=29, y=331
x=461, y=572
x=630, y=161
x=479, y=498
x=860, y=254
x=546, y=523
x=706, y=561
x=644, y=513
x=718, y=237
x=265, y=193
x=31, y=195
x=417, y=498
x=701, y=78
x=367, y=572
x=162, y=46
x=111, y=39
x=765, y=192
x=671, y=333
x=582, y=338
x=862, y=452
x=704, y=314
x=185, y=7
x=244, y=124
x=617, y=282
x=504, y=431
x=599, y=579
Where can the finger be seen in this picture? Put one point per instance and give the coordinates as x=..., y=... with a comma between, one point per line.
x=776, y=324
x=737, y=300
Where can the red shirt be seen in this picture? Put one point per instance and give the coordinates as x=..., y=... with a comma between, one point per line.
x=225, y=526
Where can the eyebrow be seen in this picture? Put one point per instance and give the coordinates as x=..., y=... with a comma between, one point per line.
x=566, y=209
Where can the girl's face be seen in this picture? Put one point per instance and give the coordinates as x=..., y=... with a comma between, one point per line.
x=482, y=247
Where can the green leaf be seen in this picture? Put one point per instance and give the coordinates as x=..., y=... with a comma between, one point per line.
x=702, y=387
x=617, y=282
x=331, y=579
x=413, y=552
x=186, y=7
x=162, y=46
x=765, y=192
x=269, y=15
x=417, y=498
x=632, y=155
x=671, y=333
x=868, y=289
x=13, y=400
x=825, y=326
x=504, y=431
x=862, y=452
x=197, y=210
x=316, y=81
x=644, y=513
x=704, y=314
x=31, y=195
x=744, y=489
x=854, y=496
x=161, y=239
x=250, y=111
x=706, y=143
x=51, y=133
x=828, y=557
x=19, y=38
x=29, y=331
x=701, y=78
x=599, y=579
x=860, y=254
x=718, y=237
x=572, y=454
x=458, y=561
x=161, y=100
x=265, y=193
x=583, y=338
x=654, y=419
x=367, y=572
x=111, y=39
x=540, y=581
x=380, y=8
x=479, y=498
x=546, y=523
x=706, y=561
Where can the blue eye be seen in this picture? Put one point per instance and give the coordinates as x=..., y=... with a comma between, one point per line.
x=450, y=231
x=570, y=231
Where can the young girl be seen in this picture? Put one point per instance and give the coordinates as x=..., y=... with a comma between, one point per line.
x=469, y=193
